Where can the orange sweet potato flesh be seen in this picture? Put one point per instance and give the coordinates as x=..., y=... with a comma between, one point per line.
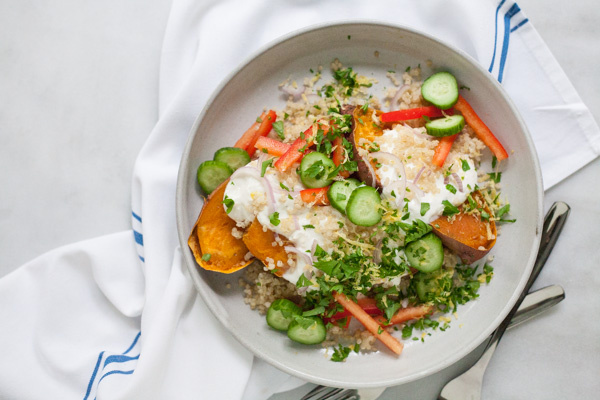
x=212, y=235
x=470, y=237
x=260, y=244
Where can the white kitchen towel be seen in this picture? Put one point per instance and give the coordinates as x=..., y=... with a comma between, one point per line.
x=118, y=317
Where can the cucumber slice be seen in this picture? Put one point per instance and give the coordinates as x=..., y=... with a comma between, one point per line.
x=428, y=285
x=425, y=254
x=447, y=126
x=314, y=170
x=307, y=330
x=441, y=90
x=340, y=192
x=363, y=206
x=211, y=174
x=232, y=156
x=281, y=313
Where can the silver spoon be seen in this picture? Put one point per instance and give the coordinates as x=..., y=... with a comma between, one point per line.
x=467, y=386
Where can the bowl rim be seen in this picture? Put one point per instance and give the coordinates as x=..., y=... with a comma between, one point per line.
x=183, y=178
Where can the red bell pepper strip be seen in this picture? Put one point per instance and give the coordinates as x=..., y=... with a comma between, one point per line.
x=271, y=146
x=315, y=196
x=366, y=303
x=480, y=128
x=372, y=326
x=414, y=113
x=442, y=150
x=298, y=148
x=261, y=127
x=295, y=152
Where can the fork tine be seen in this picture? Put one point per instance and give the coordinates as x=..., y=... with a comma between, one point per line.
x=329, y=393
x=321, y=392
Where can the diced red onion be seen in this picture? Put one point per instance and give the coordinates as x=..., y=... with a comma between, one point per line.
x=459, y=183
x=418, y=175
x=270, y=194
x=292, y=249
x=415, y=189
x=295, y=92
x=399, y=189
x=296, y=222
x=397, y=96
x=417, y=133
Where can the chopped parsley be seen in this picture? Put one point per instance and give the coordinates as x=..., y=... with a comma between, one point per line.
x=274, y=218
x=449, y=209
x=206, y=257
x=495, y=176
x=465, y=165
x=265, y=165
x=341, y=352
x=229, y=203
x=303, y=281
x=278, y=128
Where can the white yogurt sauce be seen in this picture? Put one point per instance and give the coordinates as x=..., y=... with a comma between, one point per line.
x=388, y=176
x=245, y=189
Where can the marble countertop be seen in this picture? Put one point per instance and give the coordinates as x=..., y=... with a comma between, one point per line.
x=79, y=84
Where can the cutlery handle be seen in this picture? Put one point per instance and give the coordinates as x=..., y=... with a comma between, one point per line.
x=536, y=302
x=553, y=224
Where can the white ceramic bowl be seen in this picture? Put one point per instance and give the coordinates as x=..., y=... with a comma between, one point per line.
x=371, y=49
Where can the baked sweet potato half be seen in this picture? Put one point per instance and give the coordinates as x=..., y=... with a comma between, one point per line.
x=211, y=241
x=466, y=233
x=260, y=243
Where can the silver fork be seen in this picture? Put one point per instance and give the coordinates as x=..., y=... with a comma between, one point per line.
x=468, y=385
x=534, y=304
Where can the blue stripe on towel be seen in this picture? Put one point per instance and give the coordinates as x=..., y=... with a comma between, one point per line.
x=115, y=372
x=495, y=35
x=118, y=359
x=139, y=238
x=519, y=25
x=134, y=343
x=136, y=216
x=113, y=358
x=89, y=388
x=509, y=14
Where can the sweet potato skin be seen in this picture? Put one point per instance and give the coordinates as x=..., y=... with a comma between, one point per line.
x=260, y=244
x=470, y=237
x=212, y=235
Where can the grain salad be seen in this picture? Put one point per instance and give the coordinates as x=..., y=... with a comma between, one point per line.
x=356, y=219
